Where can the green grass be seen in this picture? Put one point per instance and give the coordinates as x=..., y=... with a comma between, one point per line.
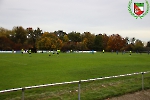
x=17, y=70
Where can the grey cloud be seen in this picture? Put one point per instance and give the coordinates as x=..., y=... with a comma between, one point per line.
x=96, y=16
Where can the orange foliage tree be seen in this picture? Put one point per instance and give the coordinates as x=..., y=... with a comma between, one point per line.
x=116, y=42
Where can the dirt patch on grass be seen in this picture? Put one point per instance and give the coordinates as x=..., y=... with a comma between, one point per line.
x=141, y=95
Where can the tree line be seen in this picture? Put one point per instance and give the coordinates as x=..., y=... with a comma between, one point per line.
x=20, y=38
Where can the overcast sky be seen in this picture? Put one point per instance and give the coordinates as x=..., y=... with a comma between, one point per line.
x=95, y=16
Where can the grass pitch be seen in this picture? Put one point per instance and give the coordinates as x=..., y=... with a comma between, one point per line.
x=21, y=70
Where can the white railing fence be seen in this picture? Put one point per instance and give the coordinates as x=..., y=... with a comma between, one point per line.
x=77, y=82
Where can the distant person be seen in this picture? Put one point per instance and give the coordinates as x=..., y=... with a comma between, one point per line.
x=53, y=52
x=137, y=51
x=103, y=51
x=112, y=51
x=29, y=52
x=22, y=51
x=124, y=51
x=117, y=52
x=92, y=51
x=58, y=51
x=49, y=53
x=12, y=51
x=130, y=53
x=148, y=52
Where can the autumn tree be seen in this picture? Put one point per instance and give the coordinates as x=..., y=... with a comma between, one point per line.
x=65, y=46
x=20, y=38
x=105, y=39
x=44, y=42
x=65, y=38
x=8, y=40
x=5, y=43
x=4, y=32
x=49, y=41
x=116, y=42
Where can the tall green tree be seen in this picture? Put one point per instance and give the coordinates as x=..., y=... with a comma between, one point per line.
x=98, y=42
x=88, y=40
x=60, y=34
x=33, y=36
x=132, y=40
x=20, y=34
x=148, y=44
x=138, y=45
x=74, y=36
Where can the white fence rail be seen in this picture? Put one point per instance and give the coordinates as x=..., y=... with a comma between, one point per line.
x=73, y=82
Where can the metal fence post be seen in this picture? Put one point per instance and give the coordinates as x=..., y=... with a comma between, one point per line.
x=79, y=90
x=23, y=93
x=142, y=80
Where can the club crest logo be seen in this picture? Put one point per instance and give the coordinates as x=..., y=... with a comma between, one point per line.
x=138, y=9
